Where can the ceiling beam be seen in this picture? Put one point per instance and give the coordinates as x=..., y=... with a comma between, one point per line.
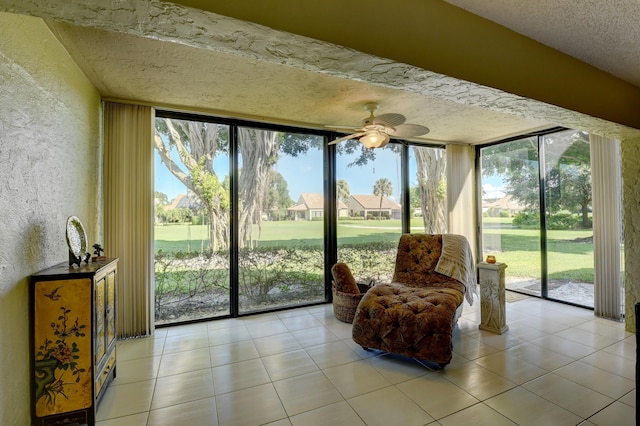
x=439, y=37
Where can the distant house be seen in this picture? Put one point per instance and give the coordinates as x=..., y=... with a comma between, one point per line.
x=506, y=203
x=369, y=205
x=310, y=206
x=182, y=201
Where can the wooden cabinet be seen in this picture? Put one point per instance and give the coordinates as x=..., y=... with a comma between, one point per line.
x=73, y=341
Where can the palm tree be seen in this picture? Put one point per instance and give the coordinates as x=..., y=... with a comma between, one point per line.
x=342, y=189
x=382, y=188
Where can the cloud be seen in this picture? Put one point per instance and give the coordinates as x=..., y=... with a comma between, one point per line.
x=490, y=191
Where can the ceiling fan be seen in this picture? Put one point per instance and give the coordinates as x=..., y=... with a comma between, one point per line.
x=376, y=131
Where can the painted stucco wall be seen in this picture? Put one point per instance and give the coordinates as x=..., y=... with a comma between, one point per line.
x=50, y=144
x=631, y=206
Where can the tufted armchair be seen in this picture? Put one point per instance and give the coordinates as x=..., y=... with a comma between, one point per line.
x=416, y=261
x=415, y=314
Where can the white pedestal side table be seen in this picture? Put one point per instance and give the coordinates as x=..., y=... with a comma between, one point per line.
x=492, y=297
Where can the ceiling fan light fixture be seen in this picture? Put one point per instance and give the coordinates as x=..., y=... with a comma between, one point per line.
x=374, y=139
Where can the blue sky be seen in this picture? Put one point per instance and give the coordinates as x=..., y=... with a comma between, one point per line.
x=493, y=187
x=305, y=174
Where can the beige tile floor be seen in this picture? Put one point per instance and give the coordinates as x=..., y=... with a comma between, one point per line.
x=556, y=365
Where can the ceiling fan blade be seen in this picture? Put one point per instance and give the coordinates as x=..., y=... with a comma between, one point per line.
x=389, y=120
x=408, y=130
x=346, y=138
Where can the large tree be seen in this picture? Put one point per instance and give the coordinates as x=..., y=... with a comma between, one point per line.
x=343, y=193
x=197, y=144
x=382, y=188
x=431, y=175
x=277, y=198
x=259, y=152
x=567, y=172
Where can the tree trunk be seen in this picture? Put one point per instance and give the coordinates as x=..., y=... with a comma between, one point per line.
x=431, y=168
x=259, y=152
x=196, y=143
x=585, y=216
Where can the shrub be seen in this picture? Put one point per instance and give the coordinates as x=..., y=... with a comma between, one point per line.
x=266, y=276
x=526, y=219
x=556, y=221
x=562, y=220
x=181, y=276
x=370, y=261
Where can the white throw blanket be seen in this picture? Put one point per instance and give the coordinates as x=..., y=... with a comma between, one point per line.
x=456, y=261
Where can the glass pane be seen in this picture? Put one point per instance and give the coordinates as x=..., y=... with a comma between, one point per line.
x=510, y=211
x=369, y=215
x=191, y=220
x=281, y=219
x=568, y=217
x=428, y=190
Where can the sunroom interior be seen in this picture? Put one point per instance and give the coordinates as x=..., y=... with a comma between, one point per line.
x=71, y=67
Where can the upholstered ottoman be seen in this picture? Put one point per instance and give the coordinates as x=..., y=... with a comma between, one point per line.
x=410, y=321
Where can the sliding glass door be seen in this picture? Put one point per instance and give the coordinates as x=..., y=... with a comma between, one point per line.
x=243, y=223
x=192, y=217
x=428, y=190
x=511, y=228
x=569, y=236
x=280, y=219
x=276, y=219
x=536, y=214
x=369, y=222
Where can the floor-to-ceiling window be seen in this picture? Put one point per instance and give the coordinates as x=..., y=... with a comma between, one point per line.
x=243, y=222
x=369, y=214
x=568, y=221
x=239, y=215
x=427, y=190
x=280, y=219
x=536, y=214
x=510, y=194
x=192, y=217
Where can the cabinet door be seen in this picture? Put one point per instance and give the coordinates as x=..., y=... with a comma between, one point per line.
x=99, y=336
x=62, y=343
x=111, y=307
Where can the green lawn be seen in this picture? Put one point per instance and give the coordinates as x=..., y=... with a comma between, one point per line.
x=570, y=252
x=173, y=237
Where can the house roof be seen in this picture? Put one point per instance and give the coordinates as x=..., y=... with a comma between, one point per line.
x=369, y=202
x=312, y=201
x=506, y=202
x=187, y=201
x=298, y=208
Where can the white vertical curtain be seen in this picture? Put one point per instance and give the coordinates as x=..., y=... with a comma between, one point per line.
x=606, y=190
x=461, y=192
x=128, y=214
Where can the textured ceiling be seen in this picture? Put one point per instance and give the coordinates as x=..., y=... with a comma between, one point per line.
x=166, y=55
x=147, y=70
x=605, y=34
